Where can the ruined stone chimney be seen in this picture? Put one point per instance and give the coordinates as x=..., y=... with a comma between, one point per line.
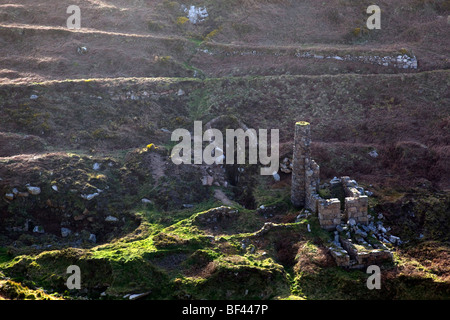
x=301, y=160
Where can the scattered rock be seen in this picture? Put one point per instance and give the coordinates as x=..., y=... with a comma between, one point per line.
x=373, y=154
x=111, y=219
x=361, y=233
x=38, y=229
x=336, y=238
x=138, y=295
x=352, y=222
x=92, y=238
x=34, y=190
x=65, y=232
x=96, y=166
x=381, y=228
x=207, y=180
x=395, y=240
x=9, y=196
x=89, y=196
x=276, y=176
x=196, y=14
x=82, y=50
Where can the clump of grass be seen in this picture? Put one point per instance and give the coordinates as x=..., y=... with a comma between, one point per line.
x=154, y=26
x=181, y=21
x=16, y=291
x=212, y=34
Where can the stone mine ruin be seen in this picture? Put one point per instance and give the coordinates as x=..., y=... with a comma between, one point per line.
x=356, y=241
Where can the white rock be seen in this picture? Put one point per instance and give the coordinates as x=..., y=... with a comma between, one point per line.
x=89, y=196
x=352, y=222
x=276, y=176
x=9, y=196
x=180, y=92
x=111, y=219
x=309, y=228
x=394, y=239
x=34, y=190
x=81, y=50
x=65, y=232
x=373, y=154
x=146, y=201
x=335, y=180
x=96, y=166
x=262, y=207
x=197, y=14
x=92, y=238
x=33, y=97
x=14, y=191
x=137, y=295
x=38, y=229
x=55, y=188
x=220, y=159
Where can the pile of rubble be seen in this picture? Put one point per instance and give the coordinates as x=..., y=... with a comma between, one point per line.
x=286, y=165
x=358, y=245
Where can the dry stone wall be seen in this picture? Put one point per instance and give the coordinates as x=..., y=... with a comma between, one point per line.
x=391, y=59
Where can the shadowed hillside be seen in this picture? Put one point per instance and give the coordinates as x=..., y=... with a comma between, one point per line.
x=87, y=179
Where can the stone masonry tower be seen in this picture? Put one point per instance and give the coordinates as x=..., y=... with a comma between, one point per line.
x=301, y=159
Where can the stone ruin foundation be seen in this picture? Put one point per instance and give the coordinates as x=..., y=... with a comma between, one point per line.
x=354, y=244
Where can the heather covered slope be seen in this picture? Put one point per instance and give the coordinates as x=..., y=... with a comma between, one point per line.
x=155, y=38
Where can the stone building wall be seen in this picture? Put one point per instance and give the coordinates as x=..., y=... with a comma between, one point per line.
x=305, y=186
x=356, y=208
x=329, y=213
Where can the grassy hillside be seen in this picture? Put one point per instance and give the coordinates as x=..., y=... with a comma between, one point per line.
x=87, y=116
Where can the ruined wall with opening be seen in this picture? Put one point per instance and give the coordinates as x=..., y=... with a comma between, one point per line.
x=305, y=186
